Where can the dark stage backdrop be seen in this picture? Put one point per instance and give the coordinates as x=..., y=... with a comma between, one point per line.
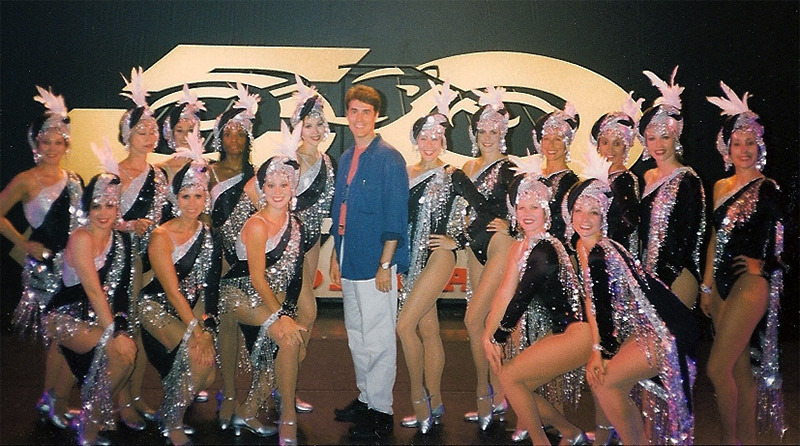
x=80, y=49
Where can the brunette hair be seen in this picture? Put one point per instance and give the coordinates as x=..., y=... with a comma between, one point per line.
x=365, y=94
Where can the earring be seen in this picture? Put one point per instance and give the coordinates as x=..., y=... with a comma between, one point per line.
x=294, y=203
x=567, y=157
x=503, y=147
x=474, y=148
x=679, y=149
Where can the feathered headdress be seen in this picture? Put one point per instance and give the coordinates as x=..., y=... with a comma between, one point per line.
x=665, y=113
x=492, y=115
x=242, y=113
x=528, y=182
x=308, y=102
x=283, y=163
x=186, y=108
x=595, y=186
x=621, y=125
x=438, y=121
x=141, y=112
x=739, y=117
x=55, y=117
x=194, y=173
x=562, y=123
x=105, y=155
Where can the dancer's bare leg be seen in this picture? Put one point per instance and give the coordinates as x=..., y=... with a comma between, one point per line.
x=488, y=279
x=623, y=371
x=537, y=365
x=735, y=320
x=425, y=356
x=228, y=344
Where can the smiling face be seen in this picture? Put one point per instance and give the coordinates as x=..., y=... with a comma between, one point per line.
x=660, y=144
x=530, y=215
x=587, y=218
x=277, y=191
x=489, y=140
x=612, y=149
x=313, y=131
x=103, y=214
x=361, y=118
x=429, y=145
x=192, y=201
x=553, y=147
x=144, y=136
x=180, y=131
x=743, y=150
x=51, y=146
x=234, y=138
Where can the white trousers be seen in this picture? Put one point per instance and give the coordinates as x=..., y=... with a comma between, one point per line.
x=370, y=318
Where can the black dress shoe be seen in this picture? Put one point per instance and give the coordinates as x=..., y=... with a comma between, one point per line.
x=352, y=412
x=375, y=426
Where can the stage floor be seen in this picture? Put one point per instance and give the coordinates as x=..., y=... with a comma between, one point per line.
x=327, y=381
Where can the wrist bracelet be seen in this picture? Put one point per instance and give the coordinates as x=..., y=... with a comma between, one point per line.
x=597, y=347
x=271, y=319
x=705, y=289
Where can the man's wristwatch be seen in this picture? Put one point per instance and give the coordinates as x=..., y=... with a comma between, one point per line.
x=386, y=265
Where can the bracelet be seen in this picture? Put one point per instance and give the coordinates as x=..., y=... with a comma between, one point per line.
x=272, y=319
x=597, y=348
x=705, y=289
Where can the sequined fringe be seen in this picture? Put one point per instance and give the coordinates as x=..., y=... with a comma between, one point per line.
x=96, y=388
x=235, y=294
x=178, y=385
x=671, y=421
x=263, y=378
x=433, y=201
x=39, y=284
x=769, y=395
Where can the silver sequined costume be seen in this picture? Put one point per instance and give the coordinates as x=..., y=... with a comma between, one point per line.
x=51, y=219
x=314, y=197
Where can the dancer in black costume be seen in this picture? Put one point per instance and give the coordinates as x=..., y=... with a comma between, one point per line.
x=743, y=280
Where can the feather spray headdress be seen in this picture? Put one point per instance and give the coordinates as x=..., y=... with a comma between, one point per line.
x=665, y=113
x=562, y=123
x=284, y=163
x=308, y=102
x=195, y=173
x=55, y=117
x=492, y=115
x=438, y=121
x=595, y=186
x=621, y=125
x=528, y=182
x=242, y=113
x=105, y=187
x=141, y=112
x=186, y=108
x=739, y=117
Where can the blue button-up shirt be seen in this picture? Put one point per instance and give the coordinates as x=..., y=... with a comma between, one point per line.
x=377, y=210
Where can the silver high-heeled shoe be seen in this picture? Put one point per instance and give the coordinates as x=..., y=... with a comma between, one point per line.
x=238, y=423
x=56, y=419
x=224, y=424
x=301, y=406
x=425, y=426
x=98, y=440
x=519, y=435
x=580, y=439
x=498, y=410
x=438, y=413
x=287, y=441
x=148, y=415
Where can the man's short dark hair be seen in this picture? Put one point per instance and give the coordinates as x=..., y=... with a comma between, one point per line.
x=365, y=94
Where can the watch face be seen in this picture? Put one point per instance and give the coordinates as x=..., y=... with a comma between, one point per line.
x=385, y=265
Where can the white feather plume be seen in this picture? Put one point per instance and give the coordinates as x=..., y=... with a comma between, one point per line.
x=290, y=141
x=444, y=97
x=632, y=108
x=193, y=103
x=138, y=93
x=570, y=110
x=304, y=92
x=246, y=101
x=670, y=94
x=106, y=157
x=53, y=103
x=195, y=150
x=731, y=105
x=595, y=166
x=493, y=96
x=527, y=165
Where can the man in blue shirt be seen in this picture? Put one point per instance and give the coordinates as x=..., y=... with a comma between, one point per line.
x=370, y=219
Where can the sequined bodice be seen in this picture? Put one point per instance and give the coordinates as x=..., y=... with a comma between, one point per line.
x=70, y=277
x=272, y=242
x=129, y=195
x=36, y=209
